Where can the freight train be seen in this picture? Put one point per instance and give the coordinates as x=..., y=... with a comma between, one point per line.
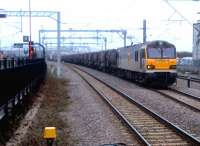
x=150, y=63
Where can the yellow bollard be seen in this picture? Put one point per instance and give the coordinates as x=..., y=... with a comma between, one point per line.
x=49, y=135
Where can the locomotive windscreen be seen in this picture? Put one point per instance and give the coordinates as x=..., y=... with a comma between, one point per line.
x=161, y=50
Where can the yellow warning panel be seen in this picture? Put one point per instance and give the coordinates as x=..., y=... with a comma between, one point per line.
x=49, y=133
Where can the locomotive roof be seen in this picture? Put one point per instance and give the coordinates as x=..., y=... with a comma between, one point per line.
x=149, y=43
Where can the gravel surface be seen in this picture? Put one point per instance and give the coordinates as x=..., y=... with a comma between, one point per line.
x=91, y=120
x=21, y=132
x=190, y=91
x=174, y=112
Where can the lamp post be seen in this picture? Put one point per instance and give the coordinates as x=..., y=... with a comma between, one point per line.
x=58, y=43
x=2, y=15
x=30, y=42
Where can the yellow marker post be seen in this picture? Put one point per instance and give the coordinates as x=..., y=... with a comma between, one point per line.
x=50, y=135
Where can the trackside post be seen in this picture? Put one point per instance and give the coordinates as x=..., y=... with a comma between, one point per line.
x=50, y=135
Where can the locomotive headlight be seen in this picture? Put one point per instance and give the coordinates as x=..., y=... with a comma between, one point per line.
x=150, y=66
x=172, y=67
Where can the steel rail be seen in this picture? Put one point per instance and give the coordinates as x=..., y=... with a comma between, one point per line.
x=177, y=100
x=186, y=94
x=115, y=110
x=178, y=130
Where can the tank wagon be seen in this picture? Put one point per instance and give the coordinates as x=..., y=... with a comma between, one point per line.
x=150, y=63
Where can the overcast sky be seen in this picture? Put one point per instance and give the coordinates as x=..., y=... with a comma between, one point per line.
x=111, y=14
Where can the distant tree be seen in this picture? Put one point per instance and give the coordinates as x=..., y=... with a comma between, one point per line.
x=184, y=54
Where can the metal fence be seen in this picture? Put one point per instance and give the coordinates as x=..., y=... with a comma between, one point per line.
x=18, y=78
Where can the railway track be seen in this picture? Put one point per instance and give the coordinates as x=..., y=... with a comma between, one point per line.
x=186, y=99
x=150, y=128
x=186, y=93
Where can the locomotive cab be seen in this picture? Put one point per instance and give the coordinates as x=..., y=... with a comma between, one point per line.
x=161, y=56
x=160, y=62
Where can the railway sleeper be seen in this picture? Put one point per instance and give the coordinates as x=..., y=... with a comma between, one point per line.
x=152, y=134
x=155, y=131
x=163, y=141
x=173, y=144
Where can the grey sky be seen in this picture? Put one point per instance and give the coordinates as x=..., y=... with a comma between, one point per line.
x=115, y=14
